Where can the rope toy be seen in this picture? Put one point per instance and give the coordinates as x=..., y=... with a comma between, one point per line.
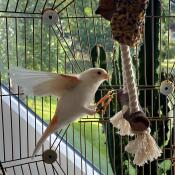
x=127, y=24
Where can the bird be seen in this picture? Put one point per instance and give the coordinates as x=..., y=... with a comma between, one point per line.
x=75, y=92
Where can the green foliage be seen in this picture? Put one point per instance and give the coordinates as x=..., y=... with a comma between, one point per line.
x=98, y=56
x=164, y=167
x=88, y=11
x=167, y=51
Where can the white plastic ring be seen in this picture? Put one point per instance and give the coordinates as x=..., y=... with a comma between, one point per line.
x=166, y=87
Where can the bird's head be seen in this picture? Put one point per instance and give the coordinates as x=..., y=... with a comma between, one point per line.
x=94, y=75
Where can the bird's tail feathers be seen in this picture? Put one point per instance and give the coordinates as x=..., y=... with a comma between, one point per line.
x=50, y=129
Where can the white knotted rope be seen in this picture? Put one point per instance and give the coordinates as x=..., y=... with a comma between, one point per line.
x=118, y=121
x=131, y=86
x=144, y=147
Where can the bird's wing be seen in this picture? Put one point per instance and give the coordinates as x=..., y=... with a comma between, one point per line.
x=43, y=83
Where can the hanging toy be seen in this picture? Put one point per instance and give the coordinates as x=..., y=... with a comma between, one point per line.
x=106, y=9
x=144, y=147
x=127, y=24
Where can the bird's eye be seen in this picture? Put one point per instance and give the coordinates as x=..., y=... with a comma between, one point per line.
x=99, y=73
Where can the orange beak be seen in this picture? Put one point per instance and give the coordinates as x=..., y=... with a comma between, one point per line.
x=106, y=76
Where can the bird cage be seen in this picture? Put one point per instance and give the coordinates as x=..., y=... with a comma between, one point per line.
x=69, y=37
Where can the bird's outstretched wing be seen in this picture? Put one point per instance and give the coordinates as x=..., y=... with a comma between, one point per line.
x=43, y=83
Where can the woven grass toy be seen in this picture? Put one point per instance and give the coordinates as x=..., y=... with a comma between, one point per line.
x=127, y=22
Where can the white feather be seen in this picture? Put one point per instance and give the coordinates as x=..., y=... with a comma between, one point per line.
x=41, y=83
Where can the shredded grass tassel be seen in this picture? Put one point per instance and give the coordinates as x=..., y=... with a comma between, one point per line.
x=144, y=148
x=121, y=123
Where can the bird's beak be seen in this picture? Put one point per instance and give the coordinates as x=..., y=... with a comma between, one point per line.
x=106, y=76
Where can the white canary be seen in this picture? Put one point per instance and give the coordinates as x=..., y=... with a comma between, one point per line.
x=75, y=92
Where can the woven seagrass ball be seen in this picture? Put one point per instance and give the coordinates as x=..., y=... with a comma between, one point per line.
x=127, y=22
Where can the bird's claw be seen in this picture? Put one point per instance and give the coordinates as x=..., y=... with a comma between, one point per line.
x=107, y=96
x=105, y=101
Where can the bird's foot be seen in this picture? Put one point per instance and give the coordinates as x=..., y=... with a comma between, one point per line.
x=105, y=101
